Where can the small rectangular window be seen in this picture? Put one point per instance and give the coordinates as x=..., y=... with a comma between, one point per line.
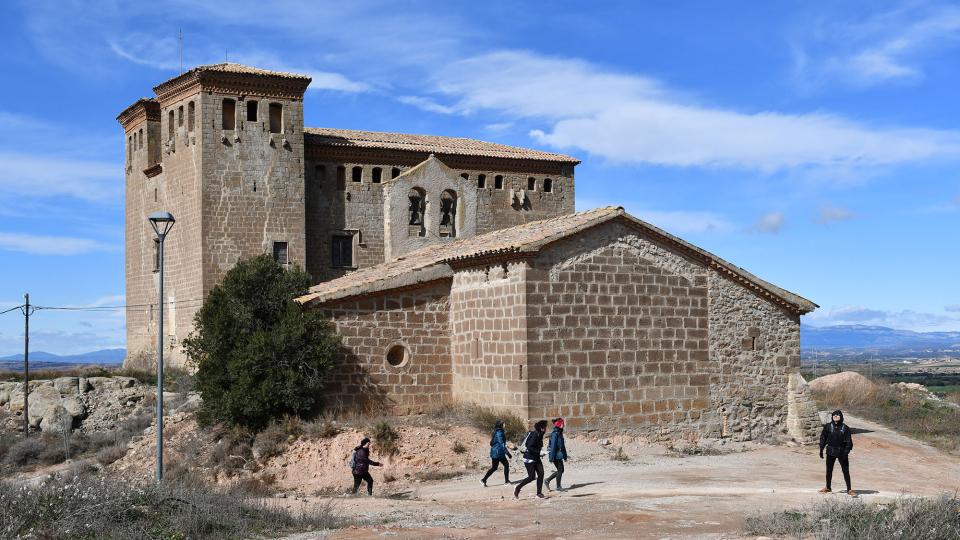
x=357, y=174
x=276, y=118
x=191, y=116
x=482, y=181
x=547, y=185
x=280, y=252
x=170, y=126
x=531, y=184
x=498, y=182
x=156, y=255
x=394, y=172
x=320, y=174
x=342, y=251
x=180, y=116
x=377, y=174
x=252, y=111
x=341, y=178
x=229, y=116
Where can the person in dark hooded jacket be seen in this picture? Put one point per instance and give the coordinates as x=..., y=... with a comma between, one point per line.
x=836, y=438
x=498, y=454
x=361, y=466
x=556, y=453
x=533, y=442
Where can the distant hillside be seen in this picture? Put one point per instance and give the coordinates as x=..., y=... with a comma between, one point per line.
x=45, y=360
x=878, y=340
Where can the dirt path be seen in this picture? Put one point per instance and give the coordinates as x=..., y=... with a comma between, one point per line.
x=655, y=495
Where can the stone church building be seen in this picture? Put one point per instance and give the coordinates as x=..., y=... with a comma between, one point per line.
x=453, y=269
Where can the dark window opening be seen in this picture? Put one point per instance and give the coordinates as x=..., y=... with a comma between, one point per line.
x=482, y=181
x=280, y=252
x=418, y=202
x=341, y=178
x=276, y=118
x=229, y=116
x=465, y=176
x=356, y=174
x=140, y=139
x=154, y=194
x=180, y=116
x=252, y=111
x=170, y=125
x=498, y=182
x=448, y=214
x=531, y=184
x=377, y=174
x=129, y=148
x=547, y=185
x=320, y=174
x=342, y=250
x=191, y=116
x=156, y=255
x=398, y=356
x=394, y=172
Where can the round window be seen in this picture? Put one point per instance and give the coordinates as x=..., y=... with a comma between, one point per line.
x=397, y=355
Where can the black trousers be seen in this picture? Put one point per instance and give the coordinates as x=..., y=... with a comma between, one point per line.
x=844, y=465
x=534, y=472
x=558, y=474
x=357, y=478
x=494, y=463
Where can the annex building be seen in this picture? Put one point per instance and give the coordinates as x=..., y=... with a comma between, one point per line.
x=453, y=269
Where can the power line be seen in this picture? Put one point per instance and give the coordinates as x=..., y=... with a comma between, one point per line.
x=109, y=308
x=11, y=309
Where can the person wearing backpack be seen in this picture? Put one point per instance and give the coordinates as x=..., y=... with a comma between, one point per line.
x=556, y=453
x=836, y=438
x=498, y=454
x=532, y=446
x=360, y=466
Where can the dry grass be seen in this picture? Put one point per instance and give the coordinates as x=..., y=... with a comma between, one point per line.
x=911, y=413
x=907, y=518
x=386, y=438
x=620, y=455
x=482, y=418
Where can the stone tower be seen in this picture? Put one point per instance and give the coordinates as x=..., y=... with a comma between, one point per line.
x=221, y=148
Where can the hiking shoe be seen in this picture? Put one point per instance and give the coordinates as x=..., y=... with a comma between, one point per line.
x=548, y=486
x=825, y=490
x=484, y=482
x=516, y=493
x=507, y=483
x=851, y=493
x=541, y=496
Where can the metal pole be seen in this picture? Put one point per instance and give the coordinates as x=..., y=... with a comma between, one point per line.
x=26, y=364
x=160, y=373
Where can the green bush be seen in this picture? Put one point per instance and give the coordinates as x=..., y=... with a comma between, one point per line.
x=259, y=355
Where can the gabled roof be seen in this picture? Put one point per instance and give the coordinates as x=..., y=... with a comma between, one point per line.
x=229, y=77
x=434, y=144
x=437, y=261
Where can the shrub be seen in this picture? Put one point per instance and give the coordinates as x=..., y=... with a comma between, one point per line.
x=258, y=355
x=97, y=508
x=321, y=428
x=386, y=438
x=482, y=418
x=108, y=455
x=620, y=455
x=459, y=448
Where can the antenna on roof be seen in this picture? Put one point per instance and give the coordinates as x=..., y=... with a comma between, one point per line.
x=181, y=50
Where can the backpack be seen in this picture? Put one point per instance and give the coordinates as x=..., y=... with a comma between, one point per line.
x=523, y=446
x=353, y=460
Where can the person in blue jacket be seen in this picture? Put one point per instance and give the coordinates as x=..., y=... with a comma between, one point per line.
x=498, y=454
x=557, y=453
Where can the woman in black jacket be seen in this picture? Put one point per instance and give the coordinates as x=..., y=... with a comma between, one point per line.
x=361, y=466
x=836, y=438
x=533, y=442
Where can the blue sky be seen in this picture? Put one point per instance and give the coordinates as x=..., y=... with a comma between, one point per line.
x=816, y=144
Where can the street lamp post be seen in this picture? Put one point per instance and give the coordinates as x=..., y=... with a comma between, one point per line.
x=161, y=222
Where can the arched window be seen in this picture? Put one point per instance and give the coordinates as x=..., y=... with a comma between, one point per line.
x=170, y=126
x=482, y=181
x=377, y=175
x=448, y=214
x=531, y=184
x=130, y=148
x=394, y=172
x=229, y=116
x=356, y=174
x=191, y=116
x=498, y=181
x=140, y=139
x=416, y=209
x=547, y=185
x=465, y=176
x=180, y=116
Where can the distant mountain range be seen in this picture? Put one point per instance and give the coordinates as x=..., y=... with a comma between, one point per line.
x=45, y=360
x=878, y=340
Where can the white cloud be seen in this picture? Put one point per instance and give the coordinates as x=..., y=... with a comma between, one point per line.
x=51, y=245
x=887, y=47
x=769, y=223
x=684, y=222
x=49, y=175
x=426, y=104
x=831, y=214
x=903, y=319
x=633, y=119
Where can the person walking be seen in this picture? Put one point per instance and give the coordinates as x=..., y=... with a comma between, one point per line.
x=360, y=466
x=533, y=445
x=498, y=454
x=836, y=438
x=556, y=453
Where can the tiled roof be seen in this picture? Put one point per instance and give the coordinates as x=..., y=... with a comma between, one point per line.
x=426, y=143
x=232, y=67
x=433, y=262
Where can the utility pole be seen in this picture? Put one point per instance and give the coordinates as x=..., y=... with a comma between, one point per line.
x=26, y=364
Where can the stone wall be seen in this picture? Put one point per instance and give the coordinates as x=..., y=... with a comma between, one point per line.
x=617, y=333
x=489, y=336
x=417, y=320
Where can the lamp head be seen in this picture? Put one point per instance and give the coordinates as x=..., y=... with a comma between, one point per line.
x=161, y=222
